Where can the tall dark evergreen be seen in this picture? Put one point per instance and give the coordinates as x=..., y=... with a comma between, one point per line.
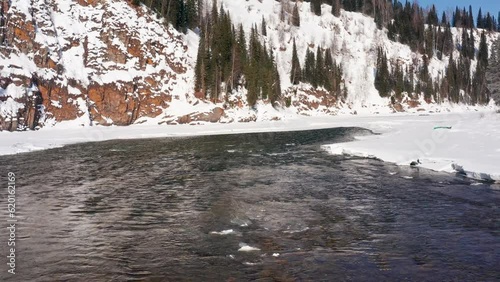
x=336, y=8
x=296, y=15
x=483, y=51
x=264, y=27
x=480, y=21
x=316, y=7
x=444, y=19
x=333, y=74
x=382, y=76
x=309, y=67
x=295, y=72
x=3, y=21
x=429, y=41
x=470, y=18
x=432, y=18
x=200, y=67
x=398, y=82
x=182, y=14
x=319, y=71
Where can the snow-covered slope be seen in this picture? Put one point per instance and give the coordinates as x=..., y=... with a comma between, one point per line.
x=354, y=39
x=105, y=62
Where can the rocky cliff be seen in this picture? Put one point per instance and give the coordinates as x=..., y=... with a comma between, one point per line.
x=95, y=61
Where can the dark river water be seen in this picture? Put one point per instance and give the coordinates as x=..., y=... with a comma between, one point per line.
x=265, y=207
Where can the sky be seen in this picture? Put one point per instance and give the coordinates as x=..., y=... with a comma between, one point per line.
x=492, y=6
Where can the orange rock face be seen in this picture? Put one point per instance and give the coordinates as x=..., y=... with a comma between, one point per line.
x=111, y=106
x=114, y=72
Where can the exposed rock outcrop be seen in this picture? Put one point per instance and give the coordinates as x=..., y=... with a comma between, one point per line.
x=97, y=61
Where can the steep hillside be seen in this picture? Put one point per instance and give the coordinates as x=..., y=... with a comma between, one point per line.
x=353, y=39
x=96, y=62
x=110, y=62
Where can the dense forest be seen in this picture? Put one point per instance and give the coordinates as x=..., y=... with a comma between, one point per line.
x=226, y=61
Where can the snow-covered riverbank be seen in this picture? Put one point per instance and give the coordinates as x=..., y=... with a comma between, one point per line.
x=471, y=145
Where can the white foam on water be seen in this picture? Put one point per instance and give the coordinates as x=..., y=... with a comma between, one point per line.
x=246, y=248
x=223, y=232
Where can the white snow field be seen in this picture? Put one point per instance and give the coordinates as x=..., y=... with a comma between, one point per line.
x=472, y=145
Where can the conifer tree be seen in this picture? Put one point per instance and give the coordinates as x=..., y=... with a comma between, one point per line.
x=328, y=71
x=309, y=66
x=181, y=23
x=425, y=79
x=382, y=74
x=319, y=71
x=275, y=81
x=264, y=27
x=432, y=18
x=399, y=83
x=483, y=51
x=295, y=73
x=480, y=19
x=444, y=19
x=200, y=66
x=295, y=16
x=471, y=18
x=316, y=7
x=242, y=45
x=429, y=41
x=336, y=8
x=378, y=18
x=192, y=14
x=447, y=41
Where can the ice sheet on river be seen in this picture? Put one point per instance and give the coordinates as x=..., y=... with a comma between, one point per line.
x=471, y=146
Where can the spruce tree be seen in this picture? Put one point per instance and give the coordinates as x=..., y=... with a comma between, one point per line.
x=471, y=18
x=181, y=22
x=309, y=66
x=295, y=16
x=483, y=51
x=319, y=72
x=429, y=41
x=316, y=7
x=444, y=20
x=471, y=48
x=264, y=27
x=480, y=19
x=199, y=69
x=328, y=71
x=447, y=41
x=382, y=74
x=336, y=8
x=275, y=80
x=242, y=45
x=399, y=83
x=296, y=70
x=432, y=18
x=192, y=14
x=378, y=18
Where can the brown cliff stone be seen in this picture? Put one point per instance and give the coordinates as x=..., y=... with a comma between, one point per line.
x=117, y=102
x=112, y=105
x=51, y=91
x=214, y=116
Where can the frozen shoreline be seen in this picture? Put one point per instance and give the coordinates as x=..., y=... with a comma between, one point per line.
x=472, y=145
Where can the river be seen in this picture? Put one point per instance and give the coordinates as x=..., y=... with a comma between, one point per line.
x=265, y=206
